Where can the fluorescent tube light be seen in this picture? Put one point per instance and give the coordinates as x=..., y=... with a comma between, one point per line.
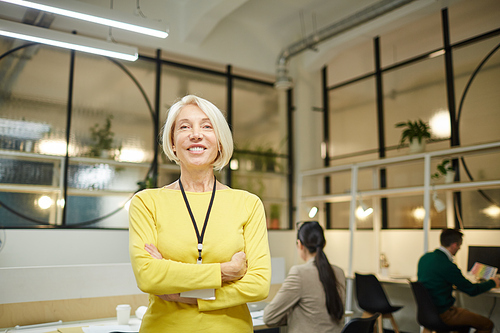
x=313, y=211
x=68, y=41
x=96, y=14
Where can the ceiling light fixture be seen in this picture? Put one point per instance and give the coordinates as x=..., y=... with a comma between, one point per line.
x=67, y=41
x=312, y=212
x=492, y=211
x=418, y=213
x=363, y=210
x=283, y=81
x=438, y=203
x=440, y=124
x=96, y=14
x=45, y=202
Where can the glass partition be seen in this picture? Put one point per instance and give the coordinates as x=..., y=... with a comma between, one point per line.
x=33, y=105
x=260, y=163
x=407, y=212
x=414, y=86
x=353, y=62
x=112, y=132
x=478, y=93
x=113, y=135
x=413, y=92
x=353, y=119
x=471, y=18
x=411, y=39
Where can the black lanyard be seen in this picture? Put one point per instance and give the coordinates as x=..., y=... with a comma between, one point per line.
x=200, y=237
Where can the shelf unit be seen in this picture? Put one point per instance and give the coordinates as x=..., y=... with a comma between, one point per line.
x=353, y=194
x=53, y=185
x=57, y=181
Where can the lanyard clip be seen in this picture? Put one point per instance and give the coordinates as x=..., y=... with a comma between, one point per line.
x=200, y=247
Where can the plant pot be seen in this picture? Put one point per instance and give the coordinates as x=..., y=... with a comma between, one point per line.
x=107, y=153
x=275, y=223
x=449, y=177
x=416, y=147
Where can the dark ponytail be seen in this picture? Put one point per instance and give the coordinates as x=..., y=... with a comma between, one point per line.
x=312, y=237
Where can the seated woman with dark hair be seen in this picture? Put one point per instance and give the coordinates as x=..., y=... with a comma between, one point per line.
x=312, y=297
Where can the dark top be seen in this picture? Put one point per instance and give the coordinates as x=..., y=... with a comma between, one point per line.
x=438, y=274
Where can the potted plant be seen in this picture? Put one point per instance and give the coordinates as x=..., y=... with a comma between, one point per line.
x=102, y=139
x=149, y=182
x=271, y=157
x=414, y=132
x=445, y=169
x=274, y=215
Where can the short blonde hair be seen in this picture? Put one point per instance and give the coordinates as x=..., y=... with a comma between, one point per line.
x=221, y=128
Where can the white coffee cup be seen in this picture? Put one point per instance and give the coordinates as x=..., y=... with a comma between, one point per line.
x=123, y=314
x=139, y=313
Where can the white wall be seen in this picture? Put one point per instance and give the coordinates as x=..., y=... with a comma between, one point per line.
x=48, y=283
x=49, y=247
x=42, y=265
x=57, y=264
x=35, y=247
x=403, y=248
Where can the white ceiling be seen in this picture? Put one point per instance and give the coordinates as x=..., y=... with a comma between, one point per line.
x=248, y=34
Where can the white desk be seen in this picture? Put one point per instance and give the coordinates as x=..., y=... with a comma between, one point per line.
x=74, y=326
x=134, y=324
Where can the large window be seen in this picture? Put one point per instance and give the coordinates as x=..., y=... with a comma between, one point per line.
x=72, y=153
x=260, y=162
x=414, y=85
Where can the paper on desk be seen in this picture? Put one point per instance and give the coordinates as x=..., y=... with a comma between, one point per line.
x=107, y=329
x=257, y=317
x=207, y=294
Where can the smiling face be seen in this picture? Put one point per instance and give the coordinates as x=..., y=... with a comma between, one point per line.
x=194, y=139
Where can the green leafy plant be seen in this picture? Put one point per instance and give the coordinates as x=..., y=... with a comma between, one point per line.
x=102, y=138
x=443, y=168
x=414, y=129
x=149, y=182
x=275, y=212
x=274, y=216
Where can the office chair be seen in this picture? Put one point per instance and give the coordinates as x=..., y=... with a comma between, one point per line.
x=427, y=313
x=361, y=325
x=372, y=299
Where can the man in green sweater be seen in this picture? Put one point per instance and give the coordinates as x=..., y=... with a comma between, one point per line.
x=438, y=273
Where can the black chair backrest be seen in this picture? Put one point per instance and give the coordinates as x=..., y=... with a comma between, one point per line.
x=427, y=313
x=370, y=294
x=361, y=325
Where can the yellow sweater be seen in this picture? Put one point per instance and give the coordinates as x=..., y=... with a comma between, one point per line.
x=236, y=223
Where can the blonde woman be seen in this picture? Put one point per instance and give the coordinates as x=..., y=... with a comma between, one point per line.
x=198, y=236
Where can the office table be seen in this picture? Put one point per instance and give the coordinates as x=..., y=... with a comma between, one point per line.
x=133, y=326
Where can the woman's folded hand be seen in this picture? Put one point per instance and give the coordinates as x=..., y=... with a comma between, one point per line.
x=230, y=271
x=153, y=251
x=235, y=269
